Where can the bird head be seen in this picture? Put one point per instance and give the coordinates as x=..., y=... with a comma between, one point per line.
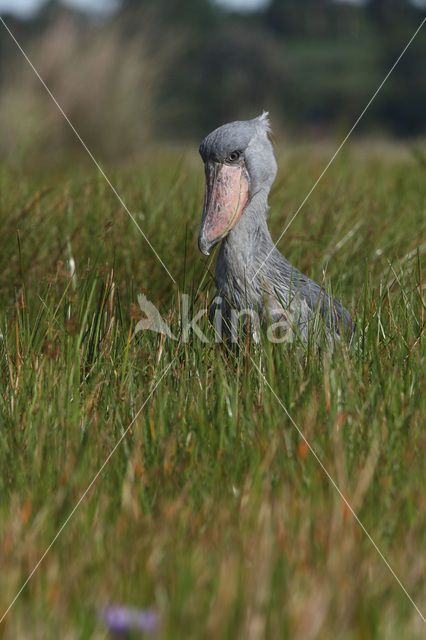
x=239, y=162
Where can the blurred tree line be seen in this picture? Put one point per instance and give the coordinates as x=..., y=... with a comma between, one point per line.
x=174, y=69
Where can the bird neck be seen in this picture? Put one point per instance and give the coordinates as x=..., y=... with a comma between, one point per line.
x=247, y=244
x=251, y=234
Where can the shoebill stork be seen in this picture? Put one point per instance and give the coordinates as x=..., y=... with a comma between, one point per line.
x=251, y=274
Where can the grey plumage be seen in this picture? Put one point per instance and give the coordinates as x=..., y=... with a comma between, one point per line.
x=250, y=271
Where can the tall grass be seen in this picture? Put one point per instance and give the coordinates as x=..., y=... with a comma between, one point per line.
x=212, y=510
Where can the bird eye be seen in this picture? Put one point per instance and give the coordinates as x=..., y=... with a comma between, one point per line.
x=234, y=156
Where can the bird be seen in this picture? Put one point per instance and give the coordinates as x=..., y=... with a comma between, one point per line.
x=252, y=277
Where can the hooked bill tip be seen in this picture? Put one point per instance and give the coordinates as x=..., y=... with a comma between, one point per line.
x=203, y=246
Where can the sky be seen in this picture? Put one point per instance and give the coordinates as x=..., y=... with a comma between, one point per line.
x=28, y=7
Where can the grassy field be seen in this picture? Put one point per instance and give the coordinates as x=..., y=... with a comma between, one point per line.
x=212, y=512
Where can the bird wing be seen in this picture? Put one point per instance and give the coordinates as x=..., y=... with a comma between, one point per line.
x=294, y=289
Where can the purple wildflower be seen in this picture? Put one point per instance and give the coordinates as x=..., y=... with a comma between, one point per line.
x=123, y=620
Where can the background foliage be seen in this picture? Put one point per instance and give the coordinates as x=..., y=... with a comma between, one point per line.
x=171, y=71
